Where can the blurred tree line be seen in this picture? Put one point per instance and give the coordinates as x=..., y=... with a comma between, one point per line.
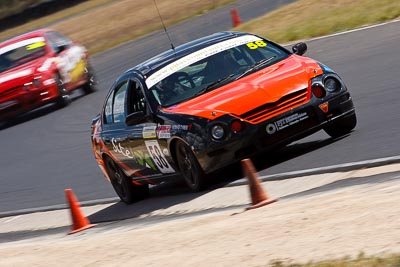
x=17, y=12
x=11, y=7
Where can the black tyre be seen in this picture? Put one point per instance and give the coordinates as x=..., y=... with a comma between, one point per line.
x=123, y=186
x=63, y=98
x=90, y=86
x=190, y=168
x=4, y=123
x=342, y=126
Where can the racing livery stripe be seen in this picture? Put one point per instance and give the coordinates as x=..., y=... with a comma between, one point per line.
x=16, y=75
x=126, y=167
x=21, y=44
x=197, y=56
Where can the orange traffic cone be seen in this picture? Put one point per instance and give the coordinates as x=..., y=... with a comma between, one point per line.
x=79, y=222
x=258, y=197
x=235, y=18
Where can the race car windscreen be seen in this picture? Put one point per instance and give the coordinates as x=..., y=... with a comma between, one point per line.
x=20, y=53
x=197, y=75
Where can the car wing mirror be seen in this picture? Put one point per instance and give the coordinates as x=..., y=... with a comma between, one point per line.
x=299, y=48
x=135, y=118
x=61, y=48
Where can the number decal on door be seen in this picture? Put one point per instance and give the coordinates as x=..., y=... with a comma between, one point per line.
x=158, y=157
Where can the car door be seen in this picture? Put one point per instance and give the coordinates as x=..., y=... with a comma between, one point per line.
x=133, y=147
x=71, y=58
x=142, y=138
x=113, y=134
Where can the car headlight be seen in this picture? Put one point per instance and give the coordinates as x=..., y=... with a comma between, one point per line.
x=331, y=85
x=217, y=132
x=35, y=83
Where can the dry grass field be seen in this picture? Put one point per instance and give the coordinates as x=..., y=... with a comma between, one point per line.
x=305, y=19
x=101, y=24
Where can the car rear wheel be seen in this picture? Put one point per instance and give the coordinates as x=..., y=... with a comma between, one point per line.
x=90, y=85
x=123, y=186
x=342, y=126
x=63, y=98
x=190, y=168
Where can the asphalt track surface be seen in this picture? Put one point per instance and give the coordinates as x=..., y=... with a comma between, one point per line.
x=49, y=150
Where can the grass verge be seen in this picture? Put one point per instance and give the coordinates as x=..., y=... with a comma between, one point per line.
x=305, y=19
x=360, y=261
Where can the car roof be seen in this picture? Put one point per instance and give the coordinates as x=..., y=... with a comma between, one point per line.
x=153, y=64
x=27, y=35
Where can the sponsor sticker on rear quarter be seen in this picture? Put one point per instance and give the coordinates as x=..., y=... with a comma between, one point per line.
x=164, y=132
x=149, y=132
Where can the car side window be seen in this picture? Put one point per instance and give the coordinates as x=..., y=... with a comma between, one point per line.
x=119, y=104
x=108, y=117
x=56, y=40
x=115, y=109
x=137, y=101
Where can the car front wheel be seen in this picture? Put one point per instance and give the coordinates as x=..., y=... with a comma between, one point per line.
x=123, y=186
x=90, y=85
x=189, y=167
x=63, y=98
x=342, y=126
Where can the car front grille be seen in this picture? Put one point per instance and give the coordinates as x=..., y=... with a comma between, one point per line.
x=8, y=92
x=270, y=110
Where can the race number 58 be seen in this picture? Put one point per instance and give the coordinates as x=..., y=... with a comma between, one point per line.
x=158, y=157
x=256, y=44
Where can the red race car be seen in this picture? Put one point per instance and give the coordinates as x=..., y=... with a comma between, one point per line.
x=40, y=67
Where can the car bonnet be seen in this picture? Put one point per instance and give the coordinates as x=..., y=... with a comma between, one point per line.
x=265, y=86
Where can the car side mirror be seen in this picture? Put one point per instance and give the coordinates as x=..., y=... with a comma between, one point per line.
x=61, y=48
x=299, y=48
x=135, y=118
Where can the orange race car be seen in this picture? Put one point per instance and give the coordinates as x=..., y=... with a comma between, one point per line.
x=41, y=67
x=211, y=102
